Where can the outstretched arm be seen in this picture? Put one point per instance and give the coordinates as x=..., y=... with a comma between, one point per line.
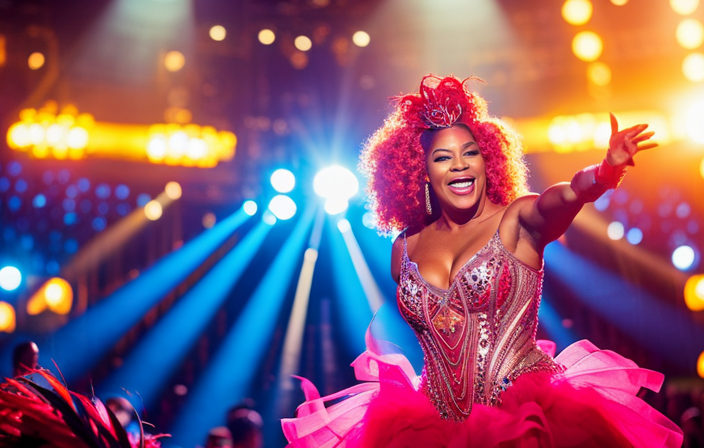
x=548, y=216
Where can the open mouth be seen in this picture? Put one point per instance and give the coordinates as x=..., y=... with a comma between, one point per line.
x=462, y=186
x=462, y=183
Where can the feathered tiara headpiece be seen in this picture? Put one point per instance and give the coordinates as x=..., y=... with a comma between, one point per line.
x=442, y=102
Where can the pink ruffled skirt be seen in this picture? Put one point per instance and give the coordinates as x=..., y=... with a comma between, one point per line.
x=593, y=403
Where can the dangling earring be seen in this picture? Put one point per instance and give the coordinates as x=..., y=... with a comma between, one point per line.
x=428, y=206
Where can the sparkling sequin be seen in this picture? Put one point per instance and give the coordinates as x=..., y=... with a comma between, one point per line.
x=477, y=336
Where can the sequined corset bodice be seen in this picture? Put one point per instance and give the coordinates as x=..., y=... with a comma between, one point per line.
x=478, y=335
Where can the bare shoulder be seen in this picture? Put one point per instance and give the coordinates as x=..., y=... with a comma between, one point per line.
x=511, y=220
x=521, y=205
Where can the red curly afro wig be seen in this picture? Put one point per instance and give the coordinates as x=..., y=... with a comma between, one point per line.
x=393, y=158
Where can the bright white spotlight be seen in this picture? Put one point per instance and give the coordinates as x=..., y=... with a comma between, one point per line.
x=335, y=182
x=615, y=230
x=283, y=180
x=269, y=218
x=343, y=225
x=282, y=207
x=10, y=278
x=250, y=207
x=683, y=257
x=153, y=210
x=335, y=206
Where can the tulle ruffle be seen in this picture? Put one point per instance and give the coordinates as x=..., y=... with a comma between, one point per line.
x=593, y=403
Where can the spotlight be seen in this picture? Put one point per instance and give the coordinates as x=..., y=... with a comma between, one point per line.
x=615, y=230
x=361, y=39
x=303, y=43
x=693, y=67
x=7, y=318
x=56, y=294
x=587, y=46
x=335, y=206
x=577, y=12
x=694, y=293
x=266, y=37
x=283, y=180
x=690, y=33
x=269, y=218
x=173, y=190
x=174, y=61
x=335, y=182
x=218, y=33
x=153, y=210
x=684, y=7
x=250, y=207
x=36, y=60
x=684, y=257
x=282, y=207
x=343, y=225
x=10, y=278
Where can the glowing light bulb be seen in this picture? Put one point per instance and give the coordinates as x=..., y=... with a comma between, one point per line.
x=587, y=46
x=693, y=67
x=174, y=61
x=577, y=12
x=690, y=33
x=694, y=292
x=36, y=60
x=684, y=7
x=615, y=230
x=7, y=317
x=361, y=39
x=218, y=33
x=303, y=43
x=173, y=190
x=153, y=210
x=266, y=37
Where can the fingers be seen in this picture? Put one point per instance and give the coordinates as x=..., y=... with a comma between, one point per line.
x=637, y=129
x=642, y=137
x=649, y=145
x=614, y=123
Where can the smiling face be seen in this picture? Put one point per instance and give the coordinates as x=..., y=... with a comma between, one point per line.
x=456, y=169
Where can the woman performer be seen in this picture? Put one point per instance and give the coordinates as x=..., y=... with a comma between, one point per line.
x=469, y=265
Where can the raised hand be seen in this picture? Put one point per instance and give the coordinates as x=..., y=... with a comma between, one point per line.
x=624, y=144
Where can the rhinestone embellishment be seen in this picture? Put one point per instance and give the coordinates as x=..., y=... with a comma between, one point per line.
x=477, y=336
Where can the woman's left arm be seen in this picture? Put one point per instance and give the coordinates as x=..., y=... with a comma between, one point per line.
x=548, y=216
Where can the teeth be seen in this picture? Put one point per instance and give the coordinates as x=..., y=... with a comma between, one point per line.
x=462, y=184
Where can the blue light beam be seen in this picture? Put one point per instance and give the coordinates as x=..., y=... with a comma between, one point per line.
x=551, y=322
x=149, y=366
x=96, y=331
x=658, y=326
x=353, y=308
x=227, y=378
